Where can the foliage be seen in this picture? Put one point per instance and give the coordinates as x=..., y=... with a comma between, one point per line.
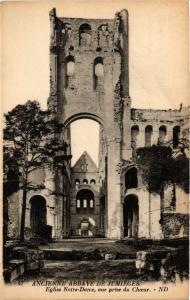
x=159, y=167
x=10, y=185
x=26, y=130
x=32, y=141
x=25, y=145
x=11, y=173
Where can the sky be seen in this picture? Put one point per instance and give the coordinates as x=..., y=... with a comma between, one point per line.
x=158, y=50
x=83, y=139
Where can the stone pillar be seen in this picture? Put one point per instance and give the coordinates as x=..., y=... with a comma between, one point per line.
x=143, y=200
x=168, y=195
x=126, y=128
x=115, y=211
x=123, y=16
x=170, y=135
x=51, y=215
x=51, y=200
x=182, y=201
x=52, y=101
x=140, y=138
x=155, y=210
x=155, y=136
x=124, y=79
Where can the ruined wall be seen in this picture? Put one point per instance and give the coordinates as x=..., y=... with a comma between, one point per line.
x=149, y=213
x=89, y=79
x=85, y=176
x=182, y=201
x=92, y=216
x=14, y=216
x=102, y=167
x=175, y=225
x=45, y=179
x=157, y=119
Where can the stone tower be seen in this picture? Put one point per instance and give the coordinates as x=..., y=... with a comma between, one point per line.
x=89, y=79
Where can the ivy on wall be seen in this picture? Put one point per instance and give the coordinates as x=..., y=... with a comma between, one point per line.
x=158, y=168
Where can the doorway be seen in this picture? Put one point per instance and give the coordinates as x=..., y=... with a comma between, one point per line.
x=38, y=218
x=131, y=216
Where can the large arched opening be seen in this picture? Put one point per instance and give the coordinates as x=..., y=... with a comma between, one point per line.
x=148, y=136
x=86, y=135
x=131, y=180
x=85, y=209
x=134, y=136
x=85, y=201
x=85, y=35
x=162, y=134
x=131, y=216
x=38, y=215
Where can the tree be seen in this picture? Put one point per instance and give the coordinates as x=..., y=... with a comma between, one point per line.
x=10, y=185
x=25, y=136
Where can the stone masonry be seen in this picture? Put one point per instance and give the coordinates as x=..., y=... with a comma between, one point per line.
x=89, y=78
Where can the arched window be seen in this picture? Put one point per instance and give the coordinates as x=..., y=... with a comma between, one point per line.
x=70, y=70
x=84, y=201
x=99, y=67
x=85, y=181
x=85, y=35
x=66, y=31
x=176, y=135
x=148, y=136
x=77, y=181
x=92, y=182
x=70, y=65
x=103, y=35
x=134, y=135
x=98, y=72
x=131, y=180
x=91, y=203
x=162, y=134
x=78, y=203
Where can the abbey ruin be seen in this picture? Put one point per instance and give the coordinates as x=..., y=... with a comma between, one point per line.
x=89, y=79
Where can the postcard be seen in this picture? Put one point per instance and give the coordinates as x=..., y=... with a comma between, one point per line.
x=95, y=149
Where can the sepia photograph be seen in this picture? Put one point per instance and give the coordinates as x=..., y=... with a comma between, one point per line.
x=95, y=126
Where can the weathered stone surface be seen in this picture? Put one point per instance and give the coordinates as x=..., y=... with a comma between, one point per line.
x=175, y=225
x=89, y=78
x=110, y=256
x=21, y=259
